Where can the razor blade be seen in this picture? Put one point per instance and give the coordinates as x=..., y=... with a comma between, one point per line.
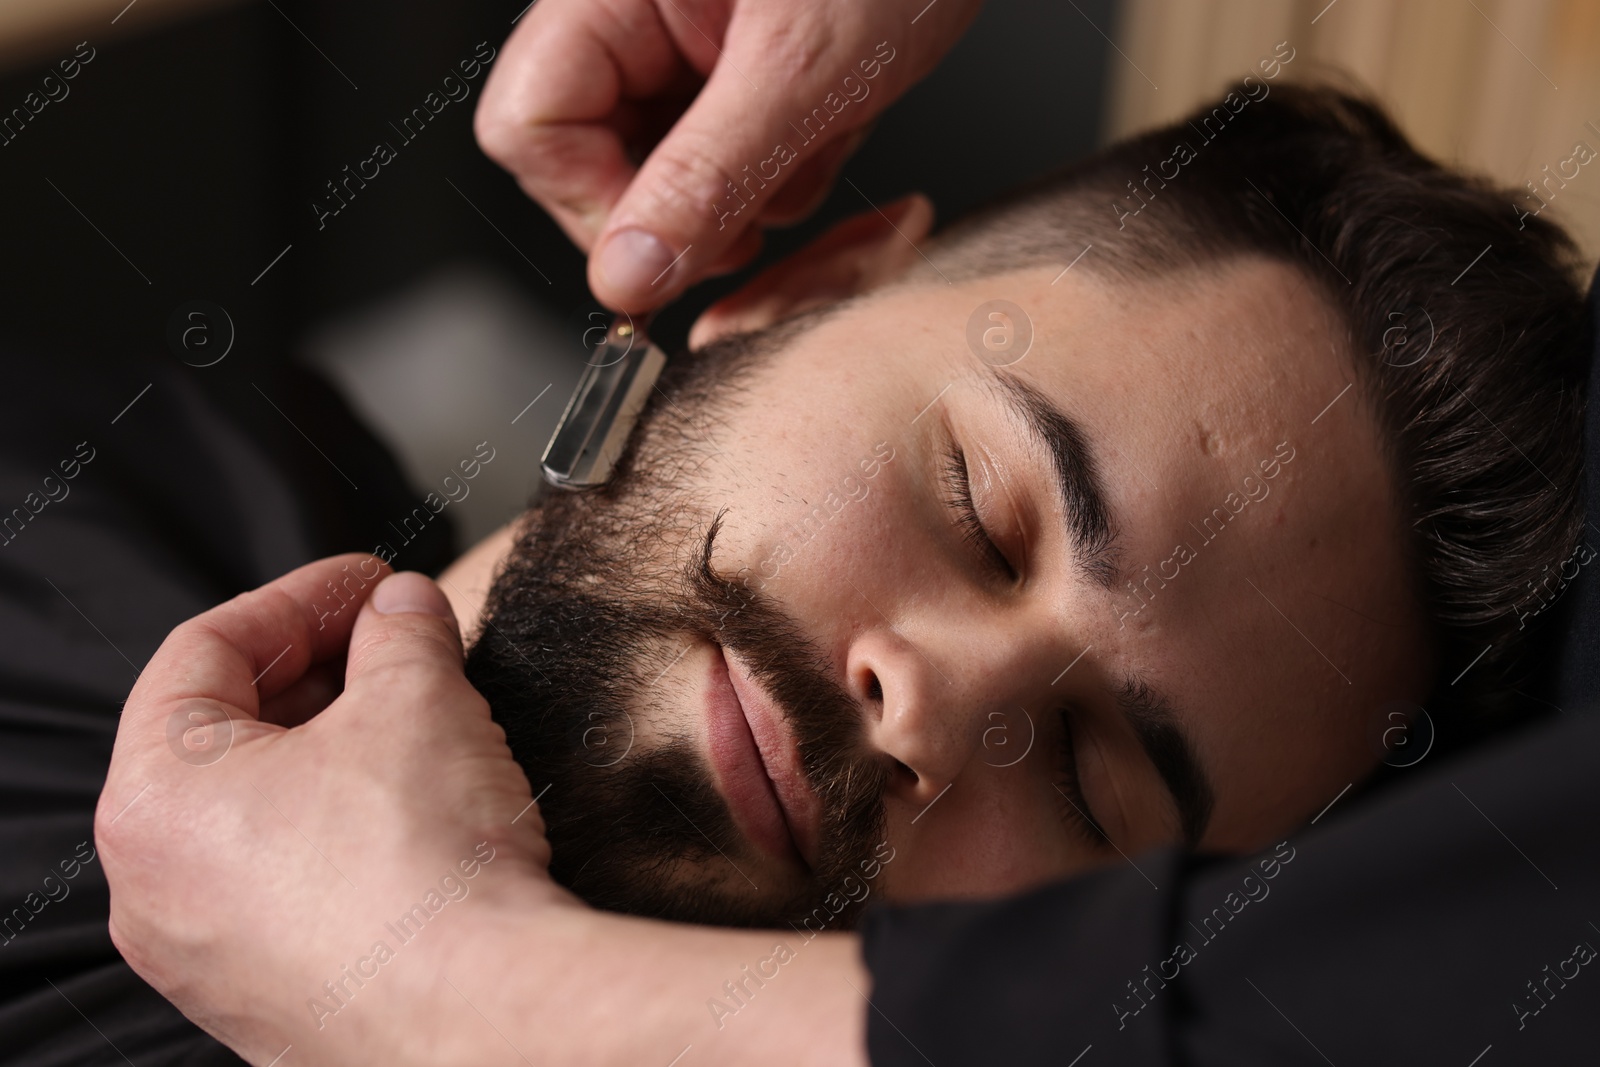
x=598, y=420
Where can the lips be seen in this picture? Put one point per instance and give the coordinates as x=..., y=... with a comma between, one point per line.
x=757, y=764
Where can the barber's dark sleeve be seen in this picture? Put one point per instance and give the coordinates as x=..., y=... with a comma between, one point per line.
x=1442, y=917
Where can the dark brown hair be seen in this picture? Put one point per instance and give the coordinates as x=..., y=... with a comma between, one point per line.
x=1465, y=314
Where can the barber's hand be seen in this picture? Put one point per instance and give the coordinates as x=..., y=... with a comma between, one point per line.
x=252, y=860
x=769, y=95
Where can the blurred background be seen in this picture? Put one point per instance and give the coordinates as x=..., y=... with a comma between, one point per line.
x=179, y=168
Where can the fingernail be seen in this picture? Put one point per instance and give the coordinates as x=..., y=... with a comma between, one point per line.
x=636, y=262
x=409, y=591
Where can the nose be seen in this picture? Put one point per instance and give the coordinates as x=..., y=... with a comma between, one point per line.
x=927, y=716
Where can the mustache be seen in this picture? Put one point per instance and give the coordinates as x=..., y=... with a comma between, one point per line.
x=826, y=721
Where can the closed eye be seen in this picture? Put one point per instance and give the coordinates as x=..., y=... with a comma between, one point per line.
x=1074, y=808
x=959, y=487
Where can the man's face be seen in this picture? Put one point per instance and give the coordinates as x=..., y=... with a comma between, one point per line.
x=780, y=666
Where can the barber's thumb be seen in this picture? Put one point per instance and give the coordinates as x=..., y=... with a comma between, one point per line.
x=680, y=215
x=635, y=270
x=405, y=624
x=648, y=257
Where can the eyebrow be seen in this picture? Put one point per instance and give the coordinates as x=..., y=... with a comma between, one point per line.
x=1078, y=480
x=1157, y=725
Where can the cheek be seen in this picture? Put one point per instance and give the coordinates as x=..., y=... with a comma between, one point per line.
x=789, y=471
x=1003, y=834
x=1280, y=728
x=825, y=537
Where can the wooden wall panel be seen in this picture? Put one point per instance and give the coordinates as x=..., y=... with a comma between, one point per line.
x=1502, y=87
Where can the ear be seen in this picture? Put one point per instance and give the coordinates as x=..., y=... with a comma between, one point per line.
x=859, y=254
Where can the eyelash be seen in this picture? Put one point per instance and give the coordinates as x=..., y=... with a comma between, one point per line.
x=1074, y=808
x=966, y=513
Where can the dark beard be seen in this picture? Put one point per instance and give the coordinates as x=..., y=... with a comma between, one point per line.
x=567, y=664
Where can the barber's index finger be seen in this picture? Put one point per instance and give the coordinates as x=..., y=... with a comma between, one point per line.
x=259, y=643
x=555, y=110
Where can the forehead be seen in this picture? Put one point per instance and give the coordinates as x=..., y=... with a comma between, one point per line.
x=1223, y=357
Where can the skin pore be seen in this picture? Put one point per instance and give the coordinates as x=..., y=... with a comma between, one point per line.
x=1215, y=412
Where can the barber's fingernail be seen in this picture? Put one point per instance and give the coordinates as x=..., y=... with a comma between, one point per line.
x=636, y=262
x=410, y=591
